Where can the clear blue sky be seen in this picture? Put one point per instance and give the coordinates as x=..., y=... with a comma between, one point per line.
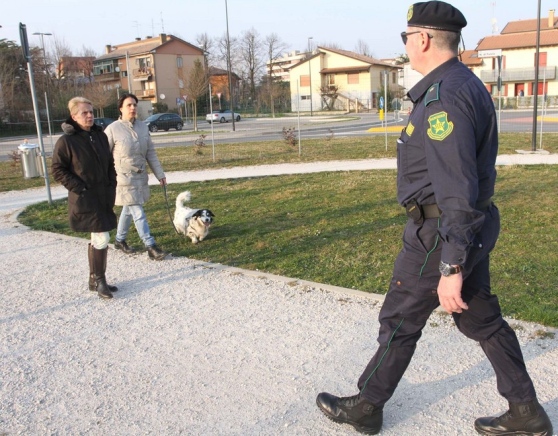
x=97, y=23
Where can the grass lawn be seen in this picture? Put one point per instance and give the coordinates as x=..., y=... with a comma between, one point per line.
x=344, y=228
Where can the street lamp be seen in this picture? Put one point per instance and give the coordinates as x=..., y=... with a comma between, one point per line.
x=310, y=73
x=42, y=35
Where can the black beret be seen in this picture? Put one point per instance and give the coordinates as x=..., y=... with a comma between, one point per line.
x=436, y=15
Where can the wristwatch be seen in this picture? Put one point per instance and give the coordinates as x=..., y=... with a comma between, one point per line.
x=447, y=270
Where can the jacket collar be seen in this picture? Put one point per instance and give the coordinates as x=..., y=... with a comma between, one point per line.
x=70, y=127
x=417, y=91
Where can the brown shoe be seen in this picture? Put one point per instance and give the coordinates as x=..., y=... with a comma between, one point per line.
x=121, y=245
x=156, y=253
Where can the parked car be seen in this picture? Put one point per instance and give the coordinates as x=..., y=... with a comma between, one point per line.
x=103, y=122
x=164, y=122
x=223, y=116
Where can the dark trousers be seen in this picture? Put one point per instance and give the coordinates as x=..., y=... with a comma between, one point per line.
x=412, y=297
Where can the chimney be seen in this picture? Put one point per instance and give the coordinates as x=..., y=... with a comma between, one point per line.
x=108, y=49
x=138, y=39
x=163, y=37
x=551, y=19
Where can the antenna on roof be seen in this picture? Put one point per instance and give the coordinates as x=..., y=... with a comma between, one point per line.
x=162, y=24
x=494, y=21
x=137, y=28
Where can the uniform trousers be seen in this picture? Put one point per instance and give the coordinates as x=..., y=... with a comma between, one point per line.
x=412, y=297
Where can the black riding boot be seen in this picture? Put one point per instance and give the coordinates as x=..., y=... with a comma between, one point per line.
x=92, y=284
x=99, y=268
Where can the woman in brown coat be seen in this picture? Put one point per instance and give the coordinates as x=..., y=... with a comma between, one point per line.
x=83, y=163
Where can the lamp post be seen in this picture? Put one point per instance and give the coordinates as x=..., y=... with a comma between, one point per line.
x=310, y=73
x=229, y=67
x=42, y=35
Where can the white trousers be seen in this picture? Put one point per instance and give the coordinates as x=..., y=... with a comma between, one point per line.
x=100, y=240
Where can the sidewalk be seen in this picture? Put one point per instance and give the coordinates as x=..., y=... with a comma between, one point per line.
x=192, y=348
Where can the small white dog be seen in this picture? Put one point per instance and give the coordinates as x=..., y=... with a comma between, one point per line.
x=194, y=223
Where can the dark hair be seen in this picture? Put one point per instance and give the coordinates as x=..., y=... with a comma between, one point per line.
x=124, y=97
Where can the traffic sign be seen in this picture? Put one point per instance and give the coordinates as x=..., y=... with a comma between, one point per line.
x=489, y=53
x=381, y=102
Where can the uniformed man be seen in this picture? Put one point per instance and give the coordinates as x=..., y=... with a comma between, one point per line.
x=446, y=172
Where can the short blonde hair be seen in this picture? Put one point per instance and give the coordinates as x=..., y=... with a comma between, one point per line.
x=73, y=104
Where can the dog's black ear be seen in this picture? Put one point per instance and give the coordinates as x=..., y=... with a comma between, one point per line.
x=210, y=213
x=197, y=213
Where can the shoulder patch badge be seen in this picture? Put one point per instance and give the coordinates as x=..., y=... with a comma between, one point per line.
x=440, y=127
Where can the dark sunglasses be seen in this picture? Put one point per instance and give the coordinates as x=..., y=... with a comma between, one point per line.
x=405, y=34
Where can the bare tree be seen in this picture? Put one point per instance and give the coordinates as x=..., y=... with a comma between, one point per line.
x=251, y=54
x=196, y=86
x=100, y=96
x=87, y=52
x=208, y=45
x=332, y=45
x=274, y=48
x=329, y=96
x=363, y=48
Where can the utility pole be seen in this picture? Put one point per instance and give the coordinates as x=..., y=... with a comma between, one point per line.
x=310, y=72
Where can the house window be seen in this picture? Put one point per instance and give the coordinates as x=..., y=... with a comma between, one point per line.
x=353, y=78
x=305, y=97
x=179, y=62
x=103, y=68
x=393, y=78
x=305, y=80
x=331, y=79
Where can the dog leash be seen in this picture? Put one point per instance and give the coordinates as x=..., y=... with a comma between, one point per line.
x=168, y=208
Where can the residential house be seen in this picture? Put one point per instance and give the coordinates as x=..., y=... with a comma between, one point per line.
x=352, y=80
x=517, y=47
x=219, y=80
x=154, y=69
x=75, y=68
x=279, y=68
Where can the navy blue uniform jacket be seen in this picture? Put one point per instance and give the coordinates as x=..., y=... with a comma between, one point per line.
x=447, y=153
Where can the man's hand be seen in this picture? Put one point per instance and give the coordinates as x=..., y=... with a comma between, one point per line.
x=163, y=181
x=449, y=293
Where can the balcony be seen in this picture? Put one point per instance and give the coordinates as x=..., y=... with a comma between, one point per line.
x=519, y=74
x=142, y=74
x=148, y=93
x=104, y=77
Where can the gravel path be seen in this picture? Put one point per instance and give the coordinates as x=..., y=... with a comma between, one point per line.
x=192, y=348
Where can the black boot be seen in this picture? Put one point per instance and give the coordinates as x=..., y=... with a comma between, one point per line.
x=522, y=418
x=99, y=268
x=92, y=284
x=357, y=411
x=156, y=253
